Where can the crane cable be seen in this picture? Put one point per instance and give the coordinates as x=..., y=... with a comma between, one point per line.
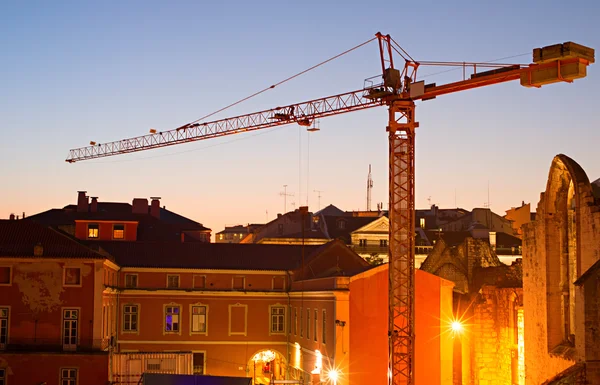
x=283, y=81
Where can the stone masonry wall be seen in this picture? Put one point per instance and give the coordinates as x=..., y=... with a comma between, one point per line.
x=494, y=335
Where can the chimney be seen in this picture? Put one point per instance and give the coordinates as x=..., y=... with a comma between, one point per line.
x=23, y=216
x=12, y=217
x=139, y=206
x=94, y=205
x=155, y=207
x=82, y=202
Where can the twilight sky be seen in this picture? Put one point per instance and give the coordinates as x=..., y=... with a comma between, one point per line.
x=72, y=72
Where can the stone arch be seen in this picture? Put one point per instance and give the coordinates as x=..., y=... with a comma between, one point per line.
x=276, y=368
x=566, y=192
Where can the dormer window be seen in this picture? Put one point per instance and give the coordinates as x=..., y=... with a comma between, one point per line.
x=341, y=224
x=93, y=230
x=118, y=231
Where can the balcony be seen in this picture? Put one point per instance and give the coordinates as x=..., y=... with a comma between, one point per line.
x=54, y=345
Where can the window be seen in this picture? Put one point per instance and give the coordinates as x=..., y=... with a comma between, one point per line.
x=199, y=281
x=278, y=283
x=72, y=276
x=2, y=376
x=93, y=230
x=341, y=224
x=383, y=243
x=324, y=327
x=153, y=365
x=422, y=223
x=198, y=363
x=172, y=319
x=70, y=328
x=362, y=242
x=172, y=281
x=130, y=318
x=3, y=328
x=295, y=321
x=315, y=333
x=68, y=376
x=199, y=319
x=220, y=237
x=118, y=231
x=308, y=324
x=239, y=283
x=277, y=319
x=131, y=280
x=5, y=275
x=238, y=319
x=301, y=324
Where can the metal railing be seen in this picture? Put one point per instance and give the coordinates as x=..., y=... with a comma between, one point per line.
x=54, y=345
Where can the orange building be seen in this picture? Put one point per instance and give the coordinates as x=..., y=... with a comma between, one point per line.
x=50, y=308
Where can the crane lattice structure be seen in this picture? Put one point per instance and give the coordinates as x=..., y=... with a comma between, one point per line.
x=399, y=91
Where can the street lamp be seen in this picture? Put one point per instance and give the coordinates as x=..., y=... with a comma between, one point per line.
x=333, y=375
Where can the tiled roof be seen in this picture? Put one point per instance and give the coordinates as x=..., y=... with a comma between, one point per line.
x=208, y=255
x=18, y=239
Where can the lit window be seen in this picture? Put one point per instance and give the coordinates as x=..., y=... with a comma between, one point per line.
x=93, y=230
x=68, y=376
x=198, y=319
x=422, y=223
x=277, y=319
x=131, y=280
x=362, y=242
x=72, y=276
x=3, y=328
x=118, y=231
x=130, y=318
x=172, y=281
x=5, y=275
x=172, y=319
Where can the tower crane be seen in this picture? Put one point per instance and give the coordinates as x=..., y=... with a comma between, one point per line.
x=398, y=91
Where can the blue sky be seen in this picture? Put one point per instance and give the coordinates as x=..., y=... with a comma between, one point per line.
x=72, y=72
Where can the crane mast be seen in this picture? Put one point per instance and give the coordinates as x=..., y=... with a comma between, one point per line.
x=398, y=91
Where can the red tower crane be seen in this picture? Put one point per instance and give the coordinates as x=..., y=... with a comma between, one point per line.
x=398, y=91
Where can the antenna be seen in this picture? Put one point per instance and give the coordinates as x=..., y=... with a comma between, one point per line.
x=369, y=187
x=319, y=197
x=429, y=201
x=284, y=194
x=488, y=204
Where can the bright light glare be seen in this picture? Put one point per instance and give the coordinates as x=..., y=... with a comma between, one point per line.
x=456, y=326
x=333, y=375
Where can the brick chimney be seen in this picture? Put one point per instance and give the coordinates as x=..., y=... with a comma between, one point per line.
x=12, y=217
x=94, y=205
x=155, y=207
x=139, y=206
x=82, y=202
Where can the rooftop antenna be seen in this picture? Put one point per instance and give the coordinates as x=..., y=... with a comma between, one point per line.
x=319, y=197
x=369, y=188
x=284, y=194
x=429, y=201
x=488, y=204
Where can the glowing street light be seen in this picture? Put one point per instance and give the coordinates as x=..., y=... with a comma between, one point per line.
x=456, y=326
x=333, y=375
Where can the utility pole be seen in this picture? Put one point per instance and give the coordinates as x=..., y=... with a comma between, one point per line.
x=369, y=188
x=319, y=197
x=284, y=194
